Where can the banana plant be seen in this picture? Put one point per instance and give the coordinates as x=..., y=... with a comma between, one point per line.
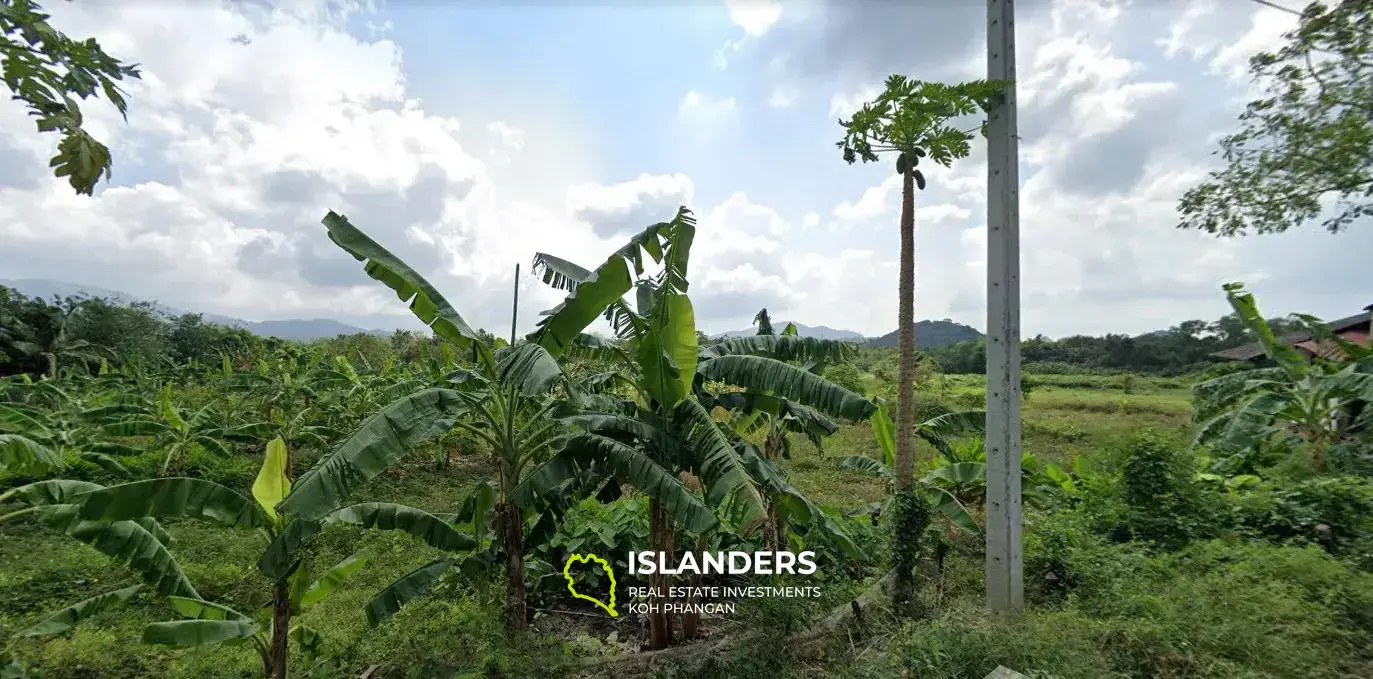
x=775, y=417
x=44, y=434
x=507, y=399
x=939, y=432
x=297, y=431
x=963, y=473
x=174, y=430
x=1307, y=401
x=667, y=430
x=121, y=521
x=280, y=381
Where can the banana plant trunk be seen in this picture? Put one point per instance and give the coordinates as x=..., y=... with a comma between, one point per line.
x=775, y=530
x=662, y=535
x=281, y=630
x=512, y=539
x=904, y=585
x=691, y=621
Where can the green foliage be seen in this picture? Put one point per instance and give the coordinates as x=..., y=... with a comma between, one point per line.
x=911, y=118
x=1333, y=513
x=45, y=69
x=1163, y=505
x=1122, y=574
x=1306, y=140
x=847, y=376
x=910, y=517
x=1304, y=404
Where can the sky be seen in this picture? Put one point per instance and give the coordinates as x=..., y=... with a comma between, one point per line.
x=466, y=136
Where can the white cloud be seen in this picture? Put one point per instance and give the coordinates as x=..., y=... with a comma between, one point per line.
x=620, y=209
x=783, y=97
x=727, y=50
x=701, y=108
x=843, y=105
x=509, y=135
x=233, y=152
x=874, y=202
x=754, y=16
x=258, y=137
x=1209, y=30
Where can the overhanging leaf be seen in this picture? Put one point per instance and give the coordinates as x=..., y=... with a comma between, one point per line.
x=191, y=633
x=768, y=375
x=375, y=445
x=388, y=516
x=413, y=584
x=172, y=497
x=332, y=579
x=272, y=484
x=65, y=619
x=424, y=300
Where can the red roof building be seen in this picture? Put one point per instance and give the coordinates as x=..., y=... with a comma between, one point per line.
x=1352, y=328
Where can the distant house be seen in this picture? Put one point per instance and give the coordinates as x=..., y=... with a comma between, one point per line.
x=1352, y=328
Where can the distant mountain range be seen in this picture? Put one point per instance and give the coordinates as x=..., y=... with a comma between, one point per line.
x=932, y=335
x=294, y=329
x=928, y=334
x=816, y=331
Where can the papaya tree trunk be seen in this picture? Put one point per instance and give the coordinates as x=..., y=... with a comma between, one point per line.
x=512, y=540
x=52, y=364
x=281, y=630
x=662, y=535
x=903, y=587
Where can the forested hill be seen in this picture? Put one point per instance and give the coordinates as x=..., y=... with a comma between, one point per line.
x=932, y=335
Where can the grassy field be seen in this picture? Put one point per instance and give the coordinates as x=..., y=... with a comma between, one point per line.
x=1224, y=604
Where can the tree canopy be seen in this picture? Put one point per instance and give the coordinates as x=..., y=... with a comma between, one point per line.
x=45, y=69
x=1305, y=148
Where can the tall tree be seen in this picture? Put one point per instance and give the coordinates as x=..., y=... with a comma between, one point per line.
x=914, y=120
x=1308, y=139
x=44, y=68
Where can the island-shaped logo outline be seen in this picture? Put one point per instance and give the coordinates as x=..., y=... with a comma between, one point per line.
x=605, y=565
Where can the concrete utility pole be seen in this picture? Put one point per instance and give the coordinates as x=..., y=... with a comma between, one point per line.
x=1005, y=586
x=515, y=305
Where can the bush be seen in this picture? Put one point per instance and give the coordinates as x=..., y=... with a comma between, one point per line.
x=847, y=376
x=1163, y=503
x=1335, y=513
x=926, y=407
x=1215, y=610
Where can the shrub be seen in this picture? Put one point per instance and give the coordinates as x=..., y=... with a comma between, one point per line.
x=847, y=376
x=1163, y=504
x=1335, y=513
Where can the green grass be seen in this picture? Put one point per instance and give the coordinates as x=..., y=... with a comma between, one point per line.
x=1218, y=609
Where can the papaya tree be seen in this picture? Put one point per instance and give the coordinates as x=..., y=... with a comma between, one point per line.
x=913, y=120
x=667, y=431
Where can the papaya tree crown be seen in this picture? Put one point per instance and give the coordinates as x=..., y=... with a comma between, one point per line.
x=913, y=119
